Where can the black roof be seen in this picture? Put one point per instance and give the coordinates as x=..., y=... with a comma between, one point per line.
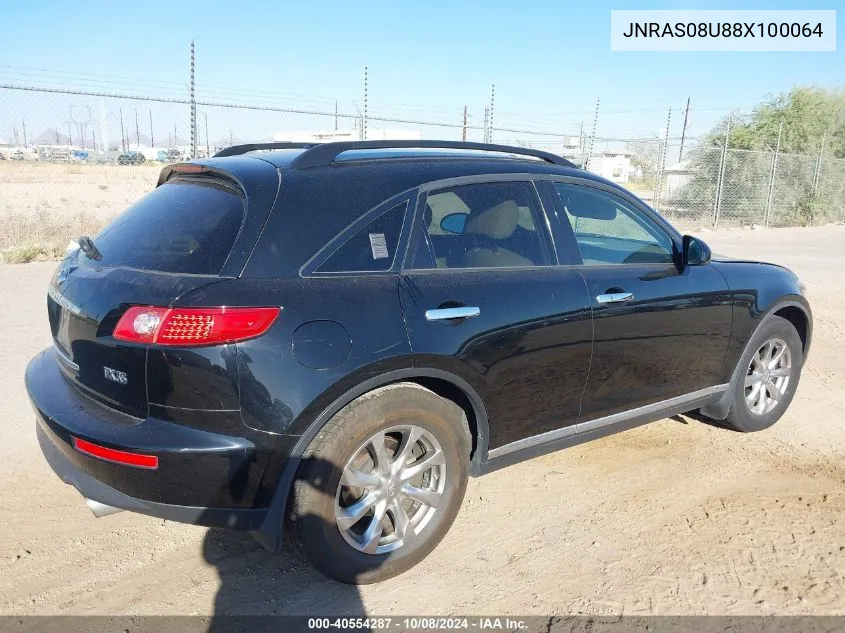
x=314, y=203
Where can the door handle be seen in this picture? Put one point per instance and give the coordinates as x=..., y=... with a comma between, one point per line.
x=444, y=314
x=615, y=297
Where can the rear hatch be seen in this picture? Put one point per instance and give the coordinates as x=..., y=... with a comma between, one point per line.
x=174, y=240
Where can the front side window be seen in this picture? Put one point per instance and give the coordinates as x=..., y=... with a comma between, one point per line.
x=485, y=225
x=372, y=248
x=610, y=231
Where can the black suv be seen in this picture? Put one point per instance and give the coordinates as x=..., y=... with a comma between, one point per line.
x=328, y=339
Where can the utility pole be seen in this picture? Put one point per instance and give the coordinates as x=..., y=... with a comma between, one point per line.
x=94, y=140
x=137, y=130
x=15, y=132
x=69, y=131
x=662, y=164
x=364, y=122
x=771, y=192
x=335, y=116
x=122, y=137
x=819, y=164
x=718, y=203
x=593, y=134
x=193, y=107
x=684, y=132
x=486, y=124
x=152, y=138
x=490, y=122
x=23, y=125
x=464, y=134
x=582, y=143
x=207, y=145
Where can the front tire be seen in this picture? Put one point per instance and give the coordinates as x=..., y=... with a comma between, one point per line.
x=767, y=376
x=381, y=483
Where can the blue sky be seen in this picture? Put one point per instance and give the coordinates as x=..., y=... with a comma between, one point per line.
x=548, y=59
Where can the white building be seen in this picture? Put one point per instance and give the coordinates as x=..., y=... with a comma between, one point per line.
x=614, y=165
x=677, y=177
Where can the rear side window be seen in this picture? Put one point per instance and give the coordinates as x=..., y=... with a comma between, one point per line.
x=485, y=225
x=184, y=226
x=371, y=249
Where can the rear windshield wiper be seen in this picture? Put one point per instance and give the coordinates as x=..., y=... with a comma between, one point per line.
x=87, y=246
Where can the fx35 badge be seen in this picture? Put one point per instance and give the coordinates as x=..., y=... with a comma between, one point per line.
x=115, y=376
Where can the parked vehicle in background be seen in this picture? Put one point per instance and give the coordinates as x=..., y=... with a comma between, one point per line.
x=327, y=340
x=131, y=158
x=17, y=155
x=54, y=154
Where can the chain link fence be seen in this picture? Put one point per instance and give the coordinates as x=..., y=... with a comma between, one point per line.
x=701, y=185
x=72, y=159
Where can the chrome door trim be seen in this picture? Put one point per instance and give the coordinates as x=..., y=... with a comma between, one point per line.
x=615, y=297
x=443, y=314
x=616, y=418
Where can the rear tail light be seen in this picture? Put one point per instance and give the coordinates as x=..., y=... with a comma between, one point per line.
x=185, y=327
x=112, y=455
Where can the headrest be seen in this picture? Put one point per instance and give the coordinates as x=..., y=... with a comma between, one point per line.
x=497, y=222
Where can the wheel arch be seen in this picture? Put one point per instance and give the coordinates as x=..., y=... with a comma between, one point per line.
x=441, y=382
x=798, y=314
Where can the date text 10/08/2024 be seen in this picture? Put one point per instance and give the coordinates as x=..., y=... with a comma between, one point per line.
x=418, y=623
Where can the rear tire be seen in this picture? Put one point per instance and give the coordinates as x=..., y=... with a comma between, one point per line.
x=767, y=376
x=383, y=459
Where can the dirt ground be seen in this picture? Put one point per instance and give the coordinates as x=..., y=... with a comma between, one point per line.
x=678, y=517
x=66, y=189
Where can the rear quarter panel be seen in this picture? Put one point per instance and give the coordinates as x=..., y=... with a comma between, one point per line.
x=332, y=333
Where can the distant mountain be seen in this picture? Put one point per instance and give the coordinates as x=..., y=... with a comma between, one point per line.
x=50, y=137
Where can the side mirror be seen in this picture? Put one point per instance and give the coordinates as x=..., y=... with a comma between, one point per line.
x=454, y=222
x=696, y=252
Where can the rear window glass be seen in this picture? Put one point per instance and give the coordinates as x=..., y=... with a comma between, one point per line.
x=184, y=226
x=373, y=248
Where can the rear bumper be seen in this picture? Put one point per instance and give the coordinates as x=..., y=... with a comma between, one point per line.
x=202, y=477
x=96, y=490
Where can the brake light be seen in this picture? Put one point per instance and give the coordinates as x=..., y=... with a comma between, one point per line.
x=187, y=168
x=112, y=455
x=186, y=327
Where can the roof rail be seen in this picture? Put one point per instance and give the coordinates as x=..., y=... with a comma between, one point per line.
x=235, y=150
x=324, y=154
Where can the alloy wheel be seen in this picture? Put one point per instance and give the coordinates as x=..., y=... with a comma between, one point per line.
x=768, y=376
x=390, y=489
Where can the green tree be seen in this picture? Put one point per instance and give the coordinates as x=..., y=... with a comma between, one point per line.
x=809, y=115
x=812, y=120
